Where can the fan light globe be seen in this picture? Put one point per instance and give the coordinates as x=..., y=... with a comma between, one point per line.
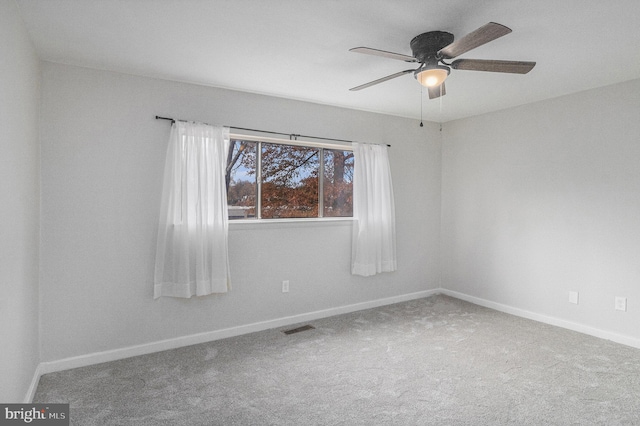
x=432, y=77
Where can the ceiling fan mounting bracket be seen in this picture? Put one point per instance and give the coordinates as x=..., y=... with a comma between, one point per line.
x=425, y=46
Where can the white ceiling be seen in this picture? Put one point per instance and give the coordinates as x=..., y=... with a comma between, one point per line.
x=299, y=48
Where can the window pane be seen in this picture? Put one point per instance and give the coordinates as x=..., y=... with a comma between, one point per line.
x=241, y=179
x=289, y=181
x=338, y=183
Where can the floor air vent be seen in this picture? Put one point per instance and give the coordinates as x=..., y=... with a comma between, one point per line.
x=299, y=329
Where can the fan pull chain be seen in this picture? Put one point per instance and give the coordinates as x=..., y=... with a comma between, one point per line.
x=421, y=102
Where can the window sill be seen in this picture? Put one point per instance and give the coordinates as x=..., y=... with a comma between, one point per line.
x=257, y=223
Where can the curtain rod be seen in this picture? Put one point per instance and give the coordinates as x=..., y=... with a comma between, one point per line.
x=292, y=136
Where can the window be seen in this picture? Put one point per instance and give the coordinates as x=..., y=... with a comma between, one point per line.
x=268, y=180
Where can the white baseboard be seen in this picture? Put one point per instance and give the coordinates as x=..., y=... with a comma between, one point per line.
x=581, y=328
x=162, y=345
x=121, y=353
x=34, y=385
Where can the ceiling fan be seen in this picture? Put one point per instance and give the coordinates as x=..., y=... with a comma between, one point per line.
x=430, y=50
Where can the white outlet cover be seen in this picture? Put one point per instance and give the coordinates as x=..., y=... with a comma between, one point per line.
x=621, y=303
x=573, y=297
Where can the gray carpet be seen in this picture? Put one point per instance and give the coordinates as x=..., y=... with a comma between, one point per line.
x=433, y=361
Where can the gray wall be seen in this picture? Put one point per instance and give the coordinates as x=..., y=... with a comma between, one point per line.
x=19, y=206
x=102, y=165
x=544, y=199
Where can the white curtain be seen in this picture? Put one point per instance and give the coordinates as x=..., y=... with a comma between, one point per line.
x=191, y=254
x=374, y=229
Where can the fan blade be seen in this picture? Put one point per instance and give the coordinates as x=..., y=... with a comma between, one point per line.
x=514, y=67
x=383, y=53
x=380, y=80
x=436, y=92
x=482, y=35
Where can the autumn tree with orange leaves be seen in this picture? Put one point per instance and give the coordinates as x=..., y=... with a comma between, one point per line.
x=290, y=176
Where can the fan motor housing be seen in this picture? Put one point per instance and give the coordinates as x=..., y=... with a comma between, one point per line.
x=426, y=45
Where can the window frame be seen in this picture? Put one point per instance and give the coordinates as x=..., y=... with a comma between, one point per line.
x=321, y=146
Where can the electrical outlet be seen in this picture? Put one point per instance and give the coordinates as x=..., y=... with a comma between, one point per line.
x=621, y=303
x=573, y=297
x=285, y=286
